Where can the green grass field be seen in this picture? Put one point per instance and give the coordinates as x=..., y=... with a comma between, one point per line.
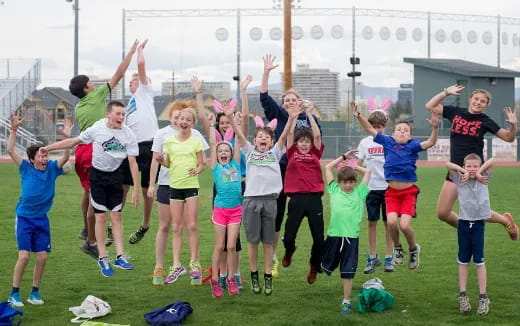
x=427, y=296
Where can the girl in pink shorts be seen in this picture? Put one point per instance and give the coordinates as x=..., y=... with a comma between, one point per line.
x=227, y=211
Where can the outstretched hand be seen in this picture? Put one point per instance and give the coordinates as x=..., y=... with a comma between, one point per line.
x=350, y=154
x=66, y=130
x=455, y=89
x=309, y=107
x=196, y=84
x=142, y=45
x=245, y=82
x=510, y=115
x=133, y=47
x=16, y=120
x=269, y=62
x=354, y=109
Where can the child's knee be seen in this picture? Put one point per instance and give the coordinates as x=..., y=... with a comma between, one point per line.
x=23, y=256
x=41, y=257
x=193, y=227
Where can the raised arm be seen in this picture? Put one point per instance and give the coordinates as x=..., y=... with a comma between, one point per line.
x=316, y=134
x=293, y=115
x=196, y=84
x=452, y=168
x=290, y=134
x=268, y=66
x=64, y=144
x=432, y=140
x=67, y=132
x=16, y=121
x=238, y=131
x=245, y=104
x=509, y=135
x=362, y=121
x=434, y=104
x=366, y=173
x=271, y=109
x=141, y=71
x=121, y=69
x=212, y=144
x=329, y=176
x=487, y=166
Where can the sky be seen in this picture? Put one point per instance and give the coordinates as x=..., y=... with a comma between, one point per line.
x=188, y=46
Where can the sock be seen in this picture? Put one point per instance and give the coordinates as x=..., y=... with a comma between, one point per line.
x=373, y=257
x=118, y=256
x=15, y=290
x=34, y=289
x=237, y=274
x=482, y=296
x=268, y=275
x=254, y=274
x=462, y=294
x=346, y=301
x=223, y=275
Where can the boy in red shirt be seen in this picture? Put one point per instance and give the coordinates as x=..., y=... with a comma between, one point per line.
x=304, y=185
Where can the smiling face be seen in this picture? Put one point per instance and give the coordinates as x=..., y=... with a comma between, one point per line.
x=478, y=102
x=174, y=118
x=263, y=141
x=116, y=116
x=290, y=101
x=304, y=145
x=38, y=160
x=402, y=133
x=186, y=120
x=224, y=153
x=223, y=123
x=134, y=83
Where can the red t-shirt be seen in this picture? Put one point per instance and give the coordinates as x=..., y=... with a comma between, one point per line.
x=303, y=173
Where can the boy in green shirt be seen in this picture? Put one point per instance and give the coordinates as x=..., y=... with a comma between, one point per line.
x=346, y=208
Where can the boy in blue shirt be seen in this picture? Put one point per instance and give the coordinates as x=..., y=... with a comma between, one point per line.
x=401, y=154
x=32, y=223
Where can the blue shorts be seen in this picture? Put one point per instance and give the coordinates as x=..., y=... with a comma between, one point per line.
x=471, y=241
x=376, y=205
x=33, y=234
x=343, y=252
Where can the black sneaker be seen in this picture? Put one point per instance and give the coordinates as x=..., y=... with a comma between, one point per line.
x=255, y=284
x=268, y=287
x=110, y=238
x=83, y=234
x=137, y=235
x=91, y=250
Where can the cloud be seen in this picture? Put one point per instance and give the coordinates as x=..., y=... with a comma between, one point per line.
x=58, y=27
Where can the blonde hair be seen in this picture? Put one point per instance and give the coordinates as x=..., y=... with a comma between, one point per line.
x=290, y=91
x=482, y=91
x=192, y=112
x=472, y=156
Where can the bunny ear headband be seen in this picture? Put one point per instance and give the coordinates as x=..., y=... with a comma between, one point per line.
x=350, y=163
x=228, y=135
x=218, y=106
x=260, y=123
x=372, y=106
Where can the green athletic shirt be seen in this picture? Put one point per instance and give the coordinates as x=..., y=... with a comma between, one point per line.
x=346, y=210
x=92, y=107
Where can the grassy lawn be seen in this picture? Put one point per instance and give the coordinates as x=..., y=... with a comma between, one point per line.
x=427, y=296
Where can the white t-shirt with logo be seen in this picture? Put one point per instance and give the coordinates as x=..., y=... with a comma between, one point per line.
x=157, y=147
x=140, y=113
x=263, y=170
x=111, y=146
x=374, y=157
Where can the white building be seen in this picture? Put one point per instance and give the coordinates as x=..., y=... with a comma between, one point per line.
x=321, y=86
x=345, y=91
x=218, y=89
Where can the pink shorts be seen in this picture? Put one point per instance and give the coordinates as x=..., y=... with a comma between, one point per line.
x=227, y=216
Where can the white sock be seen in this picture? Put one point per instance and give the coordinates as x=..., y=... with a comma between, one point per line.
x=223, y=274
x=346, y=301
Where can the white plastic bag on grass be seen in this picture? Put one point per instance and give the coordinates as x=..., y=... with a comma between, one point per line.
x=91, y=307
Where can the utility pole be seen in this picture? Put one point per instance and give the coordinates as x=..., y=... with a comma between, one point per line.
x=287, y=45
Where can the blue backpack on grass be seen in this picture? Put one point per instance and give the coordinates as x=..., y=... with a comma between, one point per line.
x=8, y=314
x=171, y=315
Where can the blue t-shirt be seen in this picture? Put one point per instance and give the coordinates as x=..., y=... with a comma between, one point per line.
x=400, y=159
x=37, y=189
x=243, y=168
x=228, y=183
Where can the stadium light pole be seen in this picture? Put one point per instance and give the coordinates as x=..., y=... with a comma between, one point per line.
x=75, y=8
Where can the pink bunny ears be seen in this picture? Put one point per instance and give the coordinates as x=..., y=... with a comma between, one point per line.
x=260, y=123
x=228, y=135
x=350, y=163
x=372, y=106
x=218, y=106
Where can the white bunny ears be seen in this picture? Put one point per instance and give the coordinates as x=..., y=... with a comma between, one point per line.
x=372, y=106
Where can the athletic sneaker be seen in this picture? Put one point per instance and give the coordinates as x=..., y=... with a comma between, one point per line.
x=398, y=255
x=268, y=285
x=287, y=258
x=464, y=305
x=222, y=282
x=346, y=308
x=158, y=279
x=34, y=298
x=255, y=284
x=371, y=264
x=312, y=273
x=122, y=262
x=483, y=306
x=232, y=286
x=110, y=237
x=83, y=234
x=276, y=264
x=511, y=227
x=240, y=281
x=414, y=257
x=91, y=250
x=216, y=290
x=389, y=265
x=137, y=235
x=106, y=268
x=175, y=273
x=15, y=300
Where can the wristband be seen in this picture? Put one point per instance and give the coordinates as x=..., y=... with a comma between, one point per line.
x=13, y=129
x=344, y=157
x=446, y=92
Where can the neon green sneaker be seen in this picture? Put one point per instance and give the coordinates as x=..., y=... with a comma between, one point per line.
x=276, y=264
